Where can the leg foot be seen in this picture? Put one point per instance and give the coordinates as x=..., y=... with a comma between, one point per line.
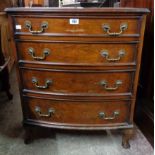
x=27, y=141
x=127, y=135
x=126, y=144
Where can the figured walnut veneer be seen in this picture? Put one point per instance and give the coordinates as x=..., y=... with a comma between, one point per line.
x=80, y=76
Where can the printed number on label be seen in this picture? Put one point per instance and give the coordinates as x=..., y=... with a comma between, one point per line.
x=74, y=21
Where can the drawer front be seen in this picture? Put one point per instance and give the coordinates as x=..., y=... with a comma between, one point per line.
x=75, y=112
x=86, y=82
x=80, y=25
x=82, y=53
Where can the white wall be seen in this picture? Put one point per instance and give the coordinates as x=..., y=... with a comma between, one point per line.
x=68, y=1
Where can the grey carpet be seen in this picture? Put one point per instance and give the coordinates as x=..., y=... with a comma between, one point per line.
x=60, y=143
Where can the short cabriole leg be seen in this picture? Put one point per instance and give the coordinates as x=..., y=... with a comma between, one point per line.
x=28, y=135
x=127, y=135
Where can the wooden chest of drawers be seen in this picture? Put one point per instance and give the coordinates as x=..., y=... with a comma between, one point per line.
x=78, y=68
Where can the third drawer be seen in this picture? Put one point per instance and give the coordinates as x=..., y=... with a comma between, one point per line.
x=78, y=82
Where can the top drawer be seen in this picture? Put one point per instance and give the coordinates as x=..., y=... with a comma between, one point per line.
x=78, y=26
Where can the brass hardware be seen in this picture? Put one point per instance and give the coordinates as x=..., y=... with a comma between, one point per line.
x=49, y=114
x=105, y=84
x=105, y=54
x=46, y=52
x=47, y=83
x=44, y=25
x=115, y=114
x=107, y=28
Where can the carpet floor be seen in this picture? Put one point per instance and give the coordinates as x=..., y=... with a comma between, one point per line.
x=59, y=143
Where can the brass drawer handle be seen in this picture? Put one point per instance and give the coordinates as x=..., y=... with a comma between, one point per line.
x=105, y=84
x=105, y=54
x=115, y=114
x=107, y=28
x=46, y=52
x=28, y=25
x=49, y=114
x=47, y=83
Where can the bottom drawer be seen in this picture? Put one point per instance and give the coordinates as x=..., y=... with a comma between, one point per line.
x=76, y=112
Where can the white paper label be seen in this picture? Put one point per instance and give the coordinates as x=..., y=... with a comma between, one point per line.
x=74, y=21
x=18, y=27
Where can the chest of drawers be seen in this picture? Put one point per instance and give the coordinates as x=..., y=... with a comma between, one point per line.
x=78, y=68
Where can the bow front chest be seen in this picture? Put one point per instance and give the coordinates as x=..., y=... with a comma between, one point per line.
x=78, y=68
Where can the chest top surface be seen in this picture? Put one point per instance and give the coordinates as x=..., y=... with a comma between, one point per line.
x=76, y=10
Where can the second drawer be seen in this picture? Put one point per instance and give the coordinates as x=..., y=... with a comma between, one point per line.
x=81, y=53
x=78, y=82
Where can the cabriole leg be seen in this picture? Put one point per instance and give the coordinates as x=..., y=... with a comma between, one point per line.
x=28, y=135
x=127, y=135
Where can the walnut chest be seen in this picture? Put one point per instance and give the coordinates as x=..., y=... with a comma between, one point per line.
x=78, y=68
